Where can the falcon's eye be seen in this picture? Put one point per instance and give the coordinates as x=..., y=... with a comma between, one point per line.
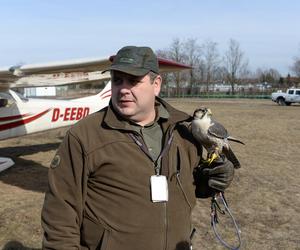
x=203, y=110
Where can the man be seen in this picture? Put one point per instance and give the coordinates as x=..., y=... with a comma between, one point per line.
x=123, y=177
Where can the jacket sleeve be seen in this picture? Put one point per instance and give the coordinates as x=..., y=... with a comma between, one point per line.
x=64, y=199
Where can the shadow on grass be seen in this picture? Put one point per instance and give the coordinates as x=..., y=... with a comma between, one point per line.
x=16, y=151
x=26, y=174
x=16, y=245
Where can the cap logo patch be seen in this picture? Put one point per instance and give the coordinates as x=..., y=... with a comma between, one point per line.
x=126, y=60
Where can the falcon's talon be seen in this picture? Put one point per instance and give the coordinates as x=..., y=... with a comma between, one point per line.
x=210, y=159
x=213, y=157
x=205, y=162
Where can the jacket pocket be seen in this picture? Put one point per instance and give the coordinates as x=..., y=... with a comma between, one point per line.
x=93, y=235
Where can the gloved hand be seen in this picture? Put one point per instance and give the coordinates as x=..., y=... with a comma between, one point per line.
x=213, y=178
x=220, y=174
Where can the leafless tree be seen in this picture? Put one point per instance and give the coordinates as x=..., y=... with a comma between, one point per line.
x=211, y=59
x=192, y=53
x=235, y=63
x=267, y=75
x=221, y=73
x=167, y=78
x=176, y=53
x=296, y=66
x=184, y=52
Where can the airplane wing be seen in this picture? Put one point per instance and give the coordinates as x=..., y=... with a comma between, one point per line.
x=89, y=65
x=6, y=75
x=81, y=65
x=54, y=73
x=166, y=65
x=68, y=72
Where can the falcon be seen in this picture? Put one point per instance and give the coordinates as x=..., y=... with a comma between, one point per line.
x=213, y=136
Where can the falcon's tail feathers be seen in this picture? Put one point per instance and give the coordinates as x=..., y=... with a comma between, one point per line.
x=231, y=157
x=235, y=140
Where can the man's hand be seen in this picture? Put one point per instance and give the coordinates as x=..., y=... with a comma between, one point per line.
x=215, y=177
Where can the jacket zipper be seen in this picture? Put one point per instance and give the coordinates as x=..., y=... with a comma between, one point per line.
x=166, y=226
x=143, y=147
x=169, y=134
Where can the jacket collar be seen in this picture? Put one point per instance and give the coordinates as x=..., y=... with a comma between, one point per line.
x=175, y=114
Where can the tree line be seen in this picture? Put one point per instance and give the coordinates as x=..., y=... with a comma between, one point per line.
x=210, y=68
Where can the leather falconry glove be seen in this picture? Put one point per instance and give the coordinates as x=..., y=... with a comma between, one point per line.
x=212, y=178
x=220, y=174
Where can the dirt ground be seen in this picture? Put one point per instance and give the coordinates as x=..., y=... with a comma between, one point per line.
x=264, y=196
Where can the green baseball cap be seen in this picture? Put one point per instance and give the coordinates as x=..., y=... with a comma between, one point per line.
x=137, y=61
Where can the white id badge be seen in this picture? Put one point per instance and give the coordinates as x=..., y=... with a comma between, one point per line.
x=159, y=188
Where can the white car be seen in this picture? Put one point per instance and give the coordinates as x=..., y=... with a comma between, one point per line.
x=286, y=98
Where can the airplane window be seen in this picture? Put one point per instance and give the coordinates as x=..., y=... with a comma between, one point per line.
x=5, y=95
x=22, y=97
x=4, y=99
x=3, y=102
x=9, y=97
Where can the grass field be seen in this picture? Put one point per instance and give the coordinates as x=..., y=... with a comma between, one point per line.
x=264, y=196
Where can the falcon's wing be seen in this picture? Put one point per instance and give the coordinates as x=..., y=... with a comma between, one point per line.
x=218, y=130
x=231, y=157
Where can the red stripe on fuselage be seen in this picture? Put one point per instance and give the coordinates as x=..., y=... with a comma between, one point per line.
x=103, y=97
x=13, y=117
x=104, y=93
x=22, y=122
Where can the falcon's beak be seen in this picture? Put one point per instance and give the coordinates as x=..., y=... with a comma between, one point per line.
x=209, y=112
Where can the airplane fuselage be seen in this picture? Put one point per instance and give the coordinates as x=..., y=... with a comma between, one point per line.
x=35, y=115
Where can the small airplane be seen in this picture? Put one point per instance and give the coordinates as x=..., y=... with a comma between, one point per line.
x=21, y=116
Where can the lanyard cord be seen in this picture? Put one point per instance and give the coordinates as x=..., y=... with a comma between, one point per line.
x=144, y=148
x=214, y=220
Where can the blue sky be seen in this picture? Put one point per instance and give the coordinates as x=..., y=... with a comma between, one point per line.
x=37, y=31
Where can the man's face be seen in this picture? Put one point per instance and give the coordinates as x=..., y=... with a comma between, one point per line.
x=133, y=97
